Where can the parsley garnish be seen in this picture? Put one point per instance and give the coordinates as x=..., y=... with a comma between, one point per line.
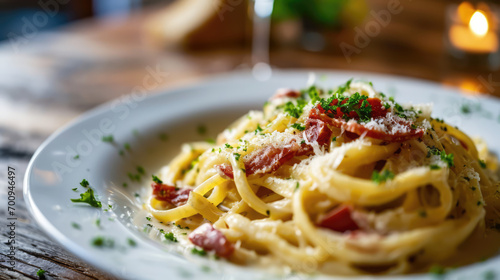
x=131, y=242
x=41, y=274
x=88, y=197
x=76, y=157
x=170, y=236
x=141, y=170
x=448, y=158
x=75, y=189
x=382, y=176
x=237, y=156
x=303, y=142
x=435, y=167
x=199, y=252
x=210, y=141
x=228, y=146
x=297, y=186
x=148, y=218
x=313, y=94
x=295, y=110
x=298, y=126
x=108, y=138
x=259, y=129
x=334, y=139
x=344, y=87
x=157, y=180
x=103, y=242
x=482, y=163
x=438, y=270
x=75, y=225
x=433, y=151
x=84, y=183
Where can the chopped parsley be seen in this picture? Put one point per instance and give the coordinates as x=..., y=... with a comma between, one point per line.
x=127, y=147
x=244, y=171
x=202, y=129
x=295, y=110
x=259, y=129
x=125, y=185
x=75, y=225
x=489, y=275
x=210, y=141
x=103, y=242
x=131, y=242
x=297, y=186
x=75, y=189
x=303, y=142
x=437, y=270
x=465, y=109
x=157, y=180
x=84, y=183
x=237, y=156
x=148, y=218
x=433, y=151
x=482, y=163
x=228, y=146
x=382, y=176
x=298, y=126
x=199, y=252
x=334, y=139
x=76, y=157
x=98, y=222
x=170, y=236
x=141, y=170
x=447, y=158
x=108, y=138
x=41, y=274
x=435, y=167
x=355, y=103
x=88, y=197
x=313, y=93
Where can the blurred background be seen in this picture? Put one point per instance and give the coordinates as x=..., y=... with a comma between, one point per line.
x=59, y=58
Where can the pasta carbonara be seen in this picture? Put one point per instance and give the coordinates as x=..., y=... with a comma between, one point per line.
x=344, y=181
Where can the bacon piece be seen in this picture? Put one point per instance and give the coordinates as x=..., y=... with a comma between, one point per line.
x=318, y=131
x=378, y=113
x=211, y=239
x=265, y=160
x=270, y=158
x=284, y=92
x=339, y=219
x=170, y=194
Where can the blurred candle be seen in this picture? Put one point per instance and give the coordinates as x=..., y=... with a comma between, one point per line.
x=474, y=36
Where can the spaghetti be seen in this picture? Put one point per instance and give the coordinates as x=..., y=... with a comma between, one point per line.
x=345, y=181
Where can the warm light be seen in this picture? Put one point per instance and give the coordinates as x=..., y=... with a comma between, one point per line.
x=479, y=24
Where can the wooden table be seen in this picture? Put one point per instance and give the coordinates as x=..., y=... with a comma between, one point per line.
x=58, y=75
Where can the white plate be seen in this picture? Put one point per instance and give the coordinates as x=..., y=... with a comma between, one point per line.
x=53, y=173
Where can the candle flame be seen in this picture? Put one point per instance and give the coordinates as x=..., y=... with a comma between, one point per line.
x=479, y=24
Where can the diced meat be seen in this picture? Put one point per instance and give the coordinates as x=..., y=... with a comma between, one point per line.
x=284, y=92
x=265, y=160
x=170, y=194
x=211, y=239
x=318, y=131
x=396, y=129
x=339, y=219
